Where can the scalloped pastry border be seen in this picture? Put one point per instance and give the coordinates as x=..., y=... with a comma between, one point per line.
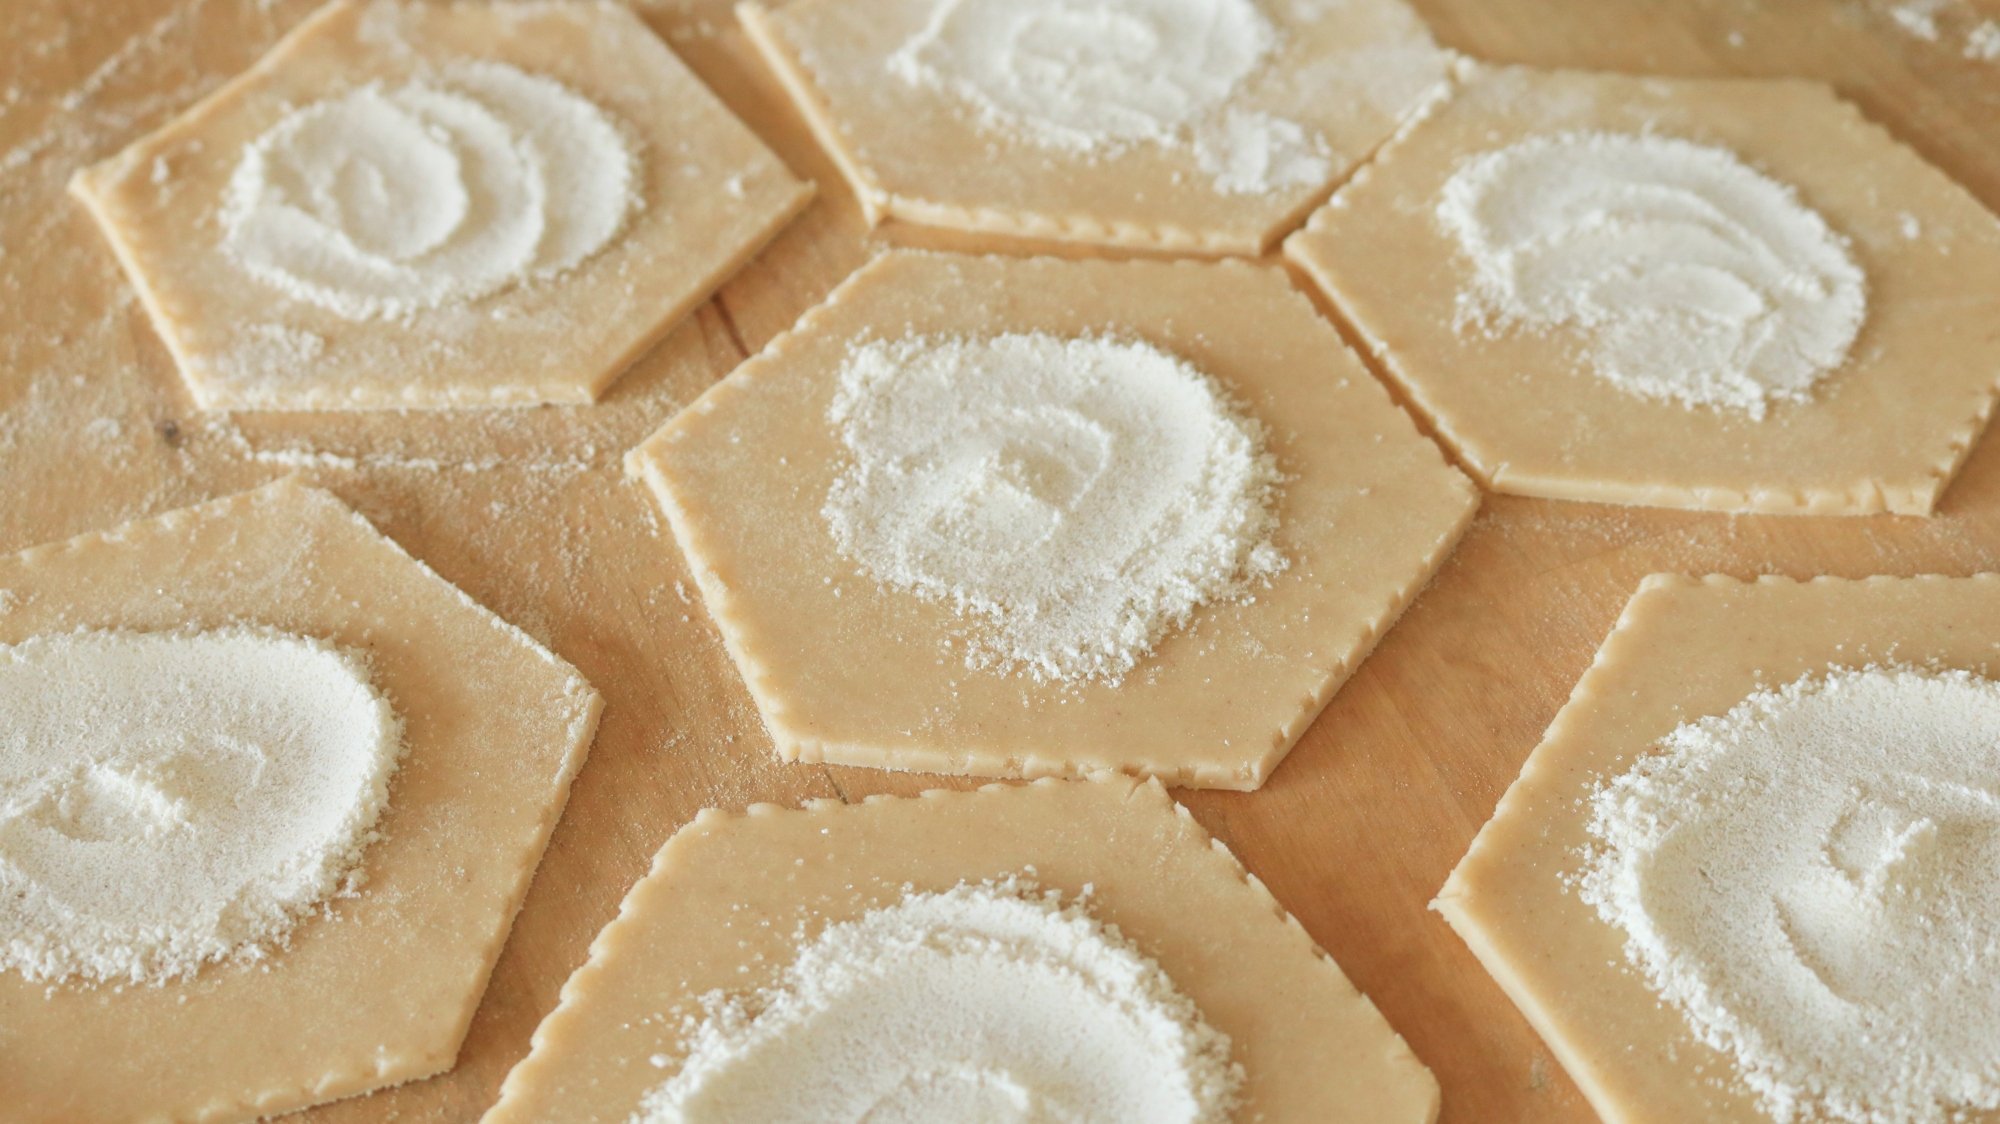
x=611, y=941
x=382, y=391
x=1487, y=465
x=1455, y=903
x=380, y=1070
x=794, y=744
x=879, y=202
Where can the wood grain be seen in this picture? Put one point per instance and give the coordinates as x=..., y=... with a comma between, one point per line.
x=529, y=513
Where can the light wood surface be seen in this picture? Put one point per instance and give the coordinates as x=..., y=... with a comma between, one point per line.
x=529, y=513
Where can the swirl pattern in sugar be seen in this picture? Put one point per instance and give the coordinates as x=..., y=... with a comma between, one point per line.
x=1074, y=498
x=1686, y=274
x=1096, y=77
x=1813, y=880
x=988, y=1002
x=388, y=200
x=169, y=799
x=1080, y=74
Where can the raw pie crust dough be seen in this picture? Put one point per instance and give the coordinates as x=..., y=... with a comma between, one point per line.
x=1684, y=648
x=727, y=894
x=849, y=671
x=383, y=991
x=1884, y=432
x=712, y=195
x=915, y=154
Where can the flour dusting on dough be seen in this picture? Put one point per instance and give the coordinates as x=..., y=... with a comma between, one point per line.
x=1248, y=153
x=1688, y=275
x=988, y=1002
x=1076, y=498
x=388, y=200
x=1096, y=78
x=170, y=799
x=1813, y=880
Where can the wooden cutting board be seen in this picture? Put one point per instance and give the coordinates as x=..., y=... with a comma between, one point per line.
x=529, y=513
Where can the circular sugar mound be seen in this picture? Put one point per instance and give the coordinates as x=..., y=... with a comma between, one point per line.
x=1689, y=275
x=1813, y=880
x=385, y=201
x=1087, y=77
x=169, y=799
x=989, y=1002
x=1076, y=498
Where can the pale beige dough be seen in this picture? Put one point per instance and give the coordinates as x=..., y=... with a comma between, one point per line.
x=728, y=894
x=1348, y=70
x=1685, y=648
x=712, y=196
x=381, y=989
x=847, y=670
x=1885, y=431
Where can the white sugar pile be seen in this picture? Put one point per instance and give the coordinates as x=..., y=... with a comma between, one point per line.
x=169, y=799
x=1095, y=79
x=1077, y=498
x=1688, y=275
x=1813, y=880
x=386, y=201
x=986, y=1002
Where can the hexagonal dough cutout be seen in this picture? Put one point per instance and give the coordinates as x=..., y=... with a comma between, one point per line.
x=1250, y=111
x=408, y=205
x=1684, y=649
x=1527, y=407
x=731, y=894
x=380, y=989
x=851, y=670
